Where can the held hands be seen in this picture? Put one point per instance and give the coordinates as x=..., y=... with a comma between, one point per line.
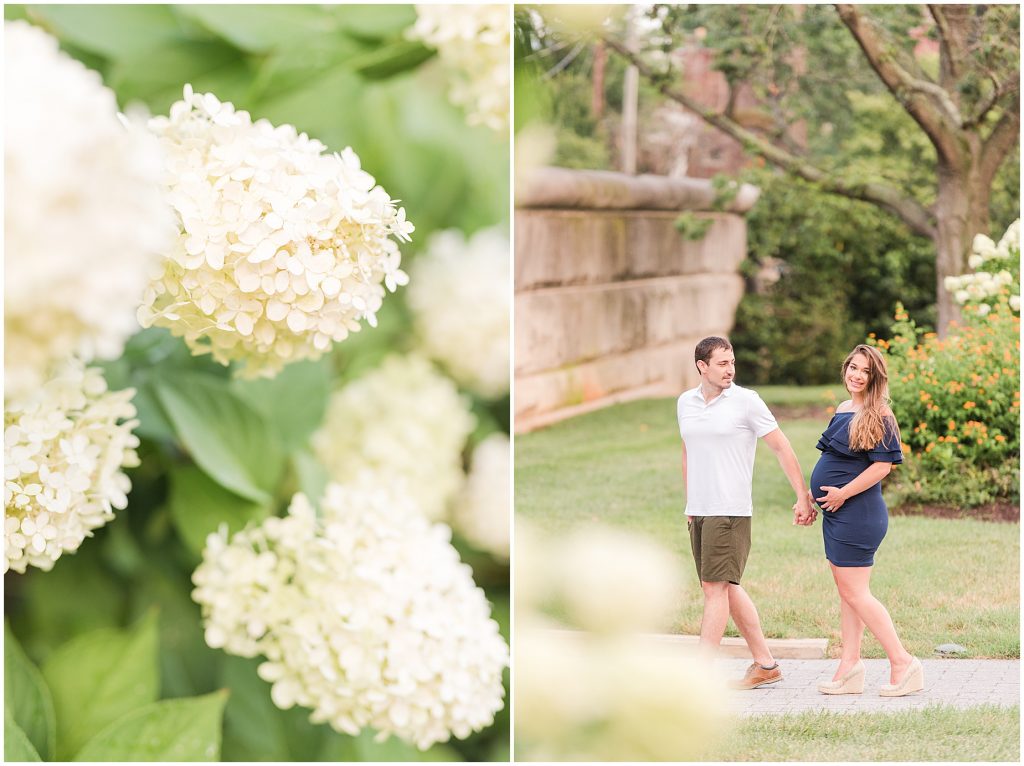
x=804, y=512
x=833, y=500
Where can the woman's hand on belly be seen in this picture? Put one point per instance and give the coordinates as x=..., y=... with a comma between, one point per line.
x=833, y=499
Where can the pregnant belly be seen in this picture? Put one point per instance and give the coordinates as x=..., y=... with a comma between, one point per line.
x=833, y=471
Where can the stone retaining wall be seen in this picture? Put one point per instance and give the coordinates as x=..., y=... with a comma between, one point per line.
x=609, y=298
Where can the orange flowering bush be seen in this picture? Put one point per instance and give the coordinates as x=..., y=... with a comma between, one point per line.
x=958, y=403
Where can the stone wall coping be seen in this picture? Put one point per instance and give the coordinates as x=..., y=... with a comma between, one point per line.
x=552, y=187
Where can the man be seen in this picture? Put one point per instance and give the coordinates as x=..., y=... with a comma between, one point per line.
x=720, y=424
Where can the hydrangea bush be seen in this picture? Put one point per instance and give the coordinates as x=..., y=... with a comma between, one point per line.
x=958, y=398
x=292, y=554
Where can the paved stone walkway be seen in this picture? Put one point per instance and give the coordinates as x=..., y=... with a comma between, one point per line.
x=959, y=683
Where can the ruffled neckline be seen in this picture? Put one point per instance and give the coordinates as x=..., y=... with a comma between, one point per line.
x=836, y=437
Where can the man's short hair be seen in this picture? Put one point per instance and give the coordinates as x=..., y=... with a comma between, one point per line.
x=708, y=346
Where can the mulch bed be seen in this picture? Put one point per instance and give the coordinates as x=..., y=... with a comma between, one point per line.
x=1005, y=512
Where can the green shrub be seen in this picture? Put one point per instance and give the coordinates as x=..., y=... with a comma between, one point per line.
x=958, y=403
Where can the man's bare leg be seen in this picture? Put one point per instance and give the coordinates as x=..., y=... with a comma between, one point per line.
x=716, y=614
x=744, y=614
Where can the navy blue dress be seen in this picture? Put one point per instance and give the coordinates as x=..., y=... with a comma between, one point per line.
x=854, y=532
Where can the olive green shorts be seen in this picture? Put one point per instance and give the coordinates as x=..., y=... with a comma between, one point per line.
x=720, y=546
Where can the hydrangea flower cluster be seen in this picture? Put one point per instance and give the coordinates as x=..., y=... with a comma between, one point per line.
x=481, y=514
x=473, y=43
x=403, y=420
x=281, y=249
x=64, y=447
x=84, y=214
x=365, y=615
x=997, y=264
x=455, y=279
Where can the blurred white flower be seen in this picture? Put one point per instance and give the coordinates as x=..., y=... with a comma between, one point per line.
x=64, y=447
x=461, y=301
x=614, y=580
x=402, y=420
x=472, y=42
x=365, y=615
x=984, y=248
x=482, y=513
x=1010, y=241
x=281, y=248
x=84, y=216
x=581, y=697
x=1015, y=302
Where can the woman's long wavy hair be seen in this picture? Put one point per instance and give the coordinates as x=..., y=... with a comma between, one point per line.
x=868, y=426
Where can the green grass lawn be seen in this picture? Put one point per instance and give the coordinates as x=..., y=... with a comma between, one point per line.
x=986, y=733
x=943, y=580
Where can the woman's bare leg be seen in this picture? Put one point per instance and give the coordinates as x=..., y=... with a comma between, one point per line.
x=854, y=589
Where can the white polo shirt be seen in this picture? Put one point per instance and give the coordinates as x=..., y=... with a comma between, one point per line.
x=720, y=438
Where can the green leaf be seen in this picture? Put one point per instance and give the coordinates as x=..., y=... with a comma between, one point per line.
x=261, y=28
x=312, y=476
x=391, y=60
x=186, y=729
x=199, y=505
x=293, y=402
x=27, y=701
x=15, y=11
x=98, y=677
x=253, y=726
x=156, y=76
x=375, y=22
x=296, y=66
x=17, y=745
x=229, y=440
x=115, y=31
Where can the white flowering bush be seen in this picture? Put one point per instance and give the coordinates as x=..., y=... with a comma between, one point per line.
x=404, y=421
x=996, y=275
x=457, y=278
x=482, y=512
x=83, y=215
x=65, y=448
x=183, y=294
x=365, y=615
x=473, y=44
x=282, y=249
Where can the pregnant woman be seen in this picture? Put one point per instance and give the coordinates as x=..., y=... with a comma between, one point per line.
x=858, y=449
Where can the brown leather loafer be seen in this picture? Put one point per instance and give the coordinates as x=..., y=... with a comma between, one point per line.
x=757, y=676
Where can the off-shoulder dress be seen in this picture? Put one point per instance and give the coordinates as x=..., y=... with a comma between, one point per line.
x=854, y=532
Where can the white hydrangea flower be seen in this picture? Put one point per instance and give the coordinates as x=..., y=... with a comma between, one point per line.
x=1010, y=242
x=403, y=420
x=281, y=248
x=64, y=447
x=981, y=286
x=482, y=513
x=461, y=301
x=611, y=580
x=984, y=249
x=84, y=214
x=365, y=615
x=473, y=44
x=587, y=697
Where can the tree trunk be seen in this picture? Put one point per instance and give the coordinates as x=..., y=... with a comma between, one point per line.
x=961, y=210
